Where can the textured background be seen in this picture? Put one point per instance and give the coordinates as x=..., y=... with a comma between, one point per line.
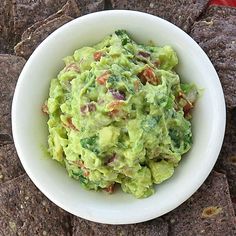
x=26, y=211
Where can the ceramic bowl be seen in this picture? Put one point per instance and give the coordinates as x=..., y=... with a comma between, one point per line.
x=30, y=125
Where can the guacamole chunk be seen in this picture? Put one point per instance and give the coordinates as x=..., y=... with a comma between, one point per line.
x=119, y=115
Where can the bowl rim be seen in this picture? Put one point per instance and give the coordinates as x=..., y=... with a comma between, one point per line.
x=188, y=193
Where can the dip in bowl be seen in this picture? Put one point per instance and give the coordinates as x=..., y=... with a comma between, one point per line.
x=30, y=125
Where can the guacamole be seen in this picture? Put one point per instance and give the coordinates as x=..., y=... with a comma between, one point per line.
x=119, y=115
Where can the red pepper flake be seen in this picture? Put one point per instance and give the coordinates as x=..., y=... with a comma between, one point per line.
x=45, y=109
x=102, y=79
x=148, y=75
x=97, y=56
x=110, y=189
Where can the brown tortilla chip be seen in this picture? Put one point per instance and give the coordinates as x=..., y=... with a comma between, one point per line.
x=11, y=67
x=69, y=9
x=6, y=22
x=27, y=12
x=3, y=29
x=227, y=159
x=89, y=6
x=10, y=166
x=157, y=227
x=216, y=34
x=27, y=212
x=208, y=212
x=181, y=13
x=26, y=47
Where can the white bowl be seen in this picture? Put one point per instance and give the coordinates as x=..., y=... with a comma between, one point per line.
x=30, y=129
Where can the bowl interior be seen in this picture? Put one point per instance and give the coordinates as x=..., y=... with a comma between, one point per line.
x=30, y=129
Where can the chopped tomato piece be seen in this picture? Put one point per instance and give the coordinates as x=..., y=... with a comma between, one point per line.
x=86, y=173
x=110, y=189
x=113, y=113
x=83, y=168
x=183, y=102
x=103, y=78
x=70, y=124
x=97, y=56
x=79, y=163
x=187, y=108
x=149, y=76
x=180, y=95
x=115, y=105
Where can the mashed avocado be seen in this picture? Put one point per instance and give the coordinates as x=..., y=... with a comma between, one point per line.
x=118, y=114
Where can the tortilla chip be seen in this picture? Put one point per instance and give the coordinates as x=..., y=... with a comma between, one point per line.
x=180, y=13
x=227, y=159
x=27, y=212
x=6, y=22
x=216, y=34
x=89, y=6
x=156, y=227
x=26, y=47
x=69, y=9
x=11, y=67
x=10, y=166
x=27, y=12
x=3, y=29
x=7, y=226
x=208, y=212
